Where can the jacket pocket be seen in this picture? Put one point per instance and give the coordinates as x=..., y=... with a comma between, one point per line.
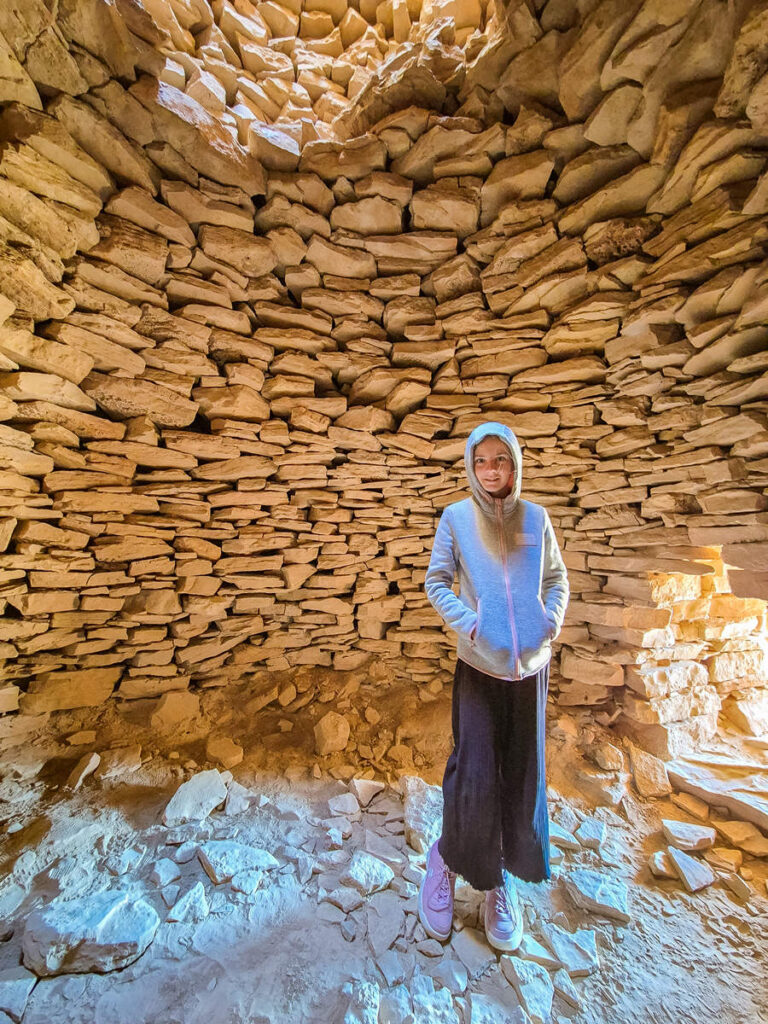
x=549, y=626
x=476, y=628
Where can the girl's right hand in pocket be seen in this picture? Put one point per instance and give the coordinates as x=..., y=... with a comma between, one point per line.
x=475, y=629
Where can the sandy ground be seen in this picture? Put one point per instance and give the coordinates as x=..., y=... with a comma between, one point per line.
x=271, y=956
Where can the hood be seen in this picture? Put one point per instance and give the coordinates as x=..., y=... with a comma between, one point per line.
x=481, y=497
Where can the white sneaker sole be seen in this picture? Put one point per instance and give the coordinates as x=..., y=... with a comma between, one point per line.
x=431, y=932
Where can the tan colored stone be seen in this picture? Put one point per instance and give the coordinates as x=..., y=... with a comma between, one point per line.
x=353, y=160
x=748, y=62
x=16, y=85
x=58, y=226
x=105, y=144
x=579, y=80
x=237, y=402
x=57, y=691
x=336, y=259
x=586, y=173
x=49, y=357
x=198, y=136
x=137, y=205
x=445, y=209
x=515, y=178
x=624, y=197
x=608, y=124
x=50, y=139
x=103, y=354
x=42, y=387
x=692, y=59
x=251, y=255
x=369, y=216
x=274, y=149
x=124, y=398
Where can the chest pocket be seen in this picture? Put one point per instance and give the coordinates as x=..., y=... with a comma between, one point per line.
x=524, y=539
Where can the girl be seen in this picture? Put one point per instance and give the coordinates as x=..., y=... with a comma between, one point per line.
x=511, y=604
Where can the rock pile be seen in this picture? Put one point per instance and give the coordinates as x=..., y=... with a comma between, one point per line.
x=263, y=268
x=326, y=876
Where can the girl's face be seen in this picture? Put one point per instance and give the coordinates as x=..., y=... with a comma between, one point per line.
x=494, y=467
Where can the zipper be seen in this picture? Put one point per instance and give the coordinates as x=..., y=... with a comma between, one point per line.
x=510, y=602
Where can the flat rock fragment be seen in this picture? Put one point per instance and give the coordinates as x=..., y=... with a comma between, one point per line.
x=102, y=932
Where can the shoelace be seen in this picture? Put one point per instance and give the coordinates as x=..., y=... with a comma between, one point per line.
x=443, y=891
x=502, y=903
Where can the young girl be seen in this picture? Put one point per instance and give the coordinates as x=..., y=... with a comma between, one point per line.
x=512, y=600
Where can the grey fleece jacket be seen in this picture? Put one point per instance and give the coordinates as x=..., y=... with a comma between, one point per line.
x=513, y=583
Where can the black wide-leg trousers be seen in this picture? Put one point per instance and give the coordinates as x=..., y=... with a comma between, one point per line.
x=494, y=788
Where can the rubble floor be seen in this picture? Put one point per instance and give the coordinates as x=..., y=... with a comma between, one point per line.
x=278, y=955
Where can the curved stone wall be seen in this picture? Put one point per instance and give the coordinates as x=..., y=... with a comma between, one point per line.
x=242, y=346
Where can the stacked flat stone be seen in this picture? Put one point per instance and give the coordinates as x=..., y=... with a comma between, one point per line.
x=235, y=389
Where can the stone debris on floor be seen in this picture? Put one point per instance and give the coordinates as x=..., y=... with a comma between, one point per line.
x=222, y=853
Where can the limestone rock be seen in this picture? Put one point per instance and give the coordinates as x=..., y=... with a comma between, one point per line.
x=119, y=762
x=102, y=932
x=56, y=691
x=198, y=136
x=576, y=951
x=649, y=773
x=662, y=865
x=471, y=948
x=238, y=798
x=562, y=837
x=592, y=833
x=486, y=1009
x=192, y=906
x=581, y=65
x=224, y=858
x=364, y=1001
x=331, y=733
x=533, y=986
x=694, y=874
x=688, y=837
x=250, y=254
x=366, y=789
x=16, y=984
x=385, y=918
x=745, y=836
x=599, y=893
x=173, y=710
x=738, y=886
x=367, y=874
x=225, y=751
x=164, y=872
x=345, y=898
x=127, y=398
x=515, y=178
x=195, y=799
x=369, y=216
x=423, y=812
x=86, y=766
x=274, y=149
x=104, y=143
x=346, y=805
x=127, y=860
x=15, y=82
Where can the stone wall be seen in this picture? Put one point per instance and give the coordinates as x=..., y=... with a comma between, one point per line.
x=243, y=342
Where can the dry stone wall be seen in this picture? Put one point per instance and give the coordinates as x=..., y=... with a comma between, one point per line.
x=241, y=352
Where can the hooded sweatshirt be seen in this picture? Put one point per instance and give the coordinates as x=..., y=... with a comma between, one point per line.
x=513, y=587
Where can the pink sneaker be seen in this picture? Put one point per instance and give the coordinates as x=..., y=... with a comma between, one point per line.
x=436, y=897
x=503, y=920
